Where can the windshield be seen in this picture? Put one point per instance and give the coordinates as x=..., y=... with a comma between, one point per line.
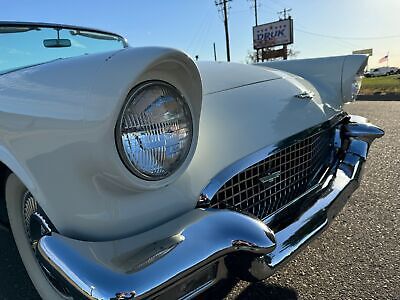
x=25, y=45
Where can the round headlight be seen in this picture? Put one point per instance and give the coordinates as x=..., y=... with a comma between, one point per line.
x=154, y=132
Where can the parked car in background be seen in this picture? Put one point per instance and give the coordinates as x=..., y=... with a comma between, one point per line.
x=382, y=71
x=135, y=173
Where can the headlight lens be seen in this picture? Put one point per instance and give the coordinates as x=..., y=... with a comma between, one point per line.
x=154, y=132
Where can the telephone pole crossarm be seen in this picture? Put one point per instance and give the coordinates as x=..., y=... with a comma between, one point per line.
x=285, y=13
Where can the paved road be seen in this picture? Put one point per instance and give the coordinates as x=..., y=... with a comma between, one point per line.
x=358, y=257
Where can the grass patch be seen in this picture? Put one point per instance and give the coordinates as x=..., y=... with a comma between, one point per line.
x=383, y=84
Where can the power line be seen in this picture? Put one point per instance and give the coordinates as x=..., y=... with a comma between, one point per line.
x=350, y=38
x=222, y=7
x=195, y=37
x=280, y=2
x=285, y=13
x=204, y=36
x=345, y=43
x=255, y=6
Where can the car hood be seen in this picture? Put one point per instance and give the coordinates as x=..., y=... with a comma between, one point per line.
x=245, y=109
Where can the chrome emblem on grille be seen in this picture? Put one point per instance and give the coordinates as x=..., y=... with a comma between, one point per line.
x=270, y=177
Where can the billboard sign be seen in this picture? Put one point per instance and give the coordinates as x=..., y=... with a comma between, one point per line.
x=273, y=34
x=364, y=51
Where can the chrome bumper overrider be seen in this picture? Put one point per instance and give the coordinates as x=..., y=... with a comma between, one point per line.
x=189, y=254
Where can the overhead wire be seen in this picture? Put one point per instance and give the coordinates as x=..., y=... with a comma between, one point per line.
x=204, y=36
x=350, y=38
x=194, y=40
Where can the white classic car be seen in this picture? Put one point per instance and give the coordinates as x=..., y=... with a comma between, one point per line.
x=382, y=71
x=132, y=173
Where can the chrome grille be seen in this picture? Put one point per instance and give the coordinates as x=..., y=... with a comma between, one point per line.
x=287, y=174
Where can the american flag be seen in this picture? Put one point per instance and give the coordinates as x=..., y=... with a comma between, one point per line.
x=383, y=59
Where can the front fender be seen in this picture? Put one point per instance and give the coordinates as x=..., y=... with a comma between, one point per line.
x=57, y=125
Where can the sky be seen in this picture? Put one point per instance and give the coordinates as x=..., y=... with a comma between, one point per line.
x=321, y=27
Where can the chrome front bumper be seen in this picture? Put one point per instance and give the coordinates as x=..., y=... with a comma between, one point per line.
x=185, y=256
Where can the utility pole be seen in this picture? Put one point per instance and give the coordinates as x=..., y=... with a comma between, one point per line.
x=224, y=10
x=256, y=19
x=285, y=13
x=255, y=11
x=215, y=53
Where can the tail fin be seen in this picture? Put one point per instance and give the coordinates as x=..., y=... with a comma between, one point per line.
x=334, y=77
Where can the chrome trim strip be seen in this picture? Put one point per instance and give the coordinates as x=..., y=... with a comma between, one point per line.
x=243, y=85
x=219, y=180
x=198, y=290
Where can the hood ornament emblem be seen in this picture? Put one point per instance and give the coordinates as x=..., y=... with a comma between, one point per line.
x=305, y=95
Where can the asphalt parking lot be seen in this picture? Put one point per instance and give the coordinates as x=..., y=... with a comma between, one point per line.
x=358, y=257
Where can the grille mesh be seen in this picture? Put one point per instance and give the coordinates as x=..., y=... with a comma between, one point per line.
x=300, y=165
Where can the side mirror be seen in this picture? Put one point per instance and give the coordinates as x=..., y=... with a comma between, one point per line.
x=57, y=43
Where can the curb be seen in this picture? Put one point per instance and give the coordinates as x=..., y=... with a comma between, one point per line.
x=379, y=97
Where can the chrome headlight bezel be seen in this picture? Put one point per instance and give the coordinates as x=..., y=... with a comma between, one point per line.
x=131, y=100
x=356, y=86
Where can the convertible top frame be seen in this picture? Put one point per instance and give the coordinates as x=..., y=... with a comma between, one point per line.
x=61, y=26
